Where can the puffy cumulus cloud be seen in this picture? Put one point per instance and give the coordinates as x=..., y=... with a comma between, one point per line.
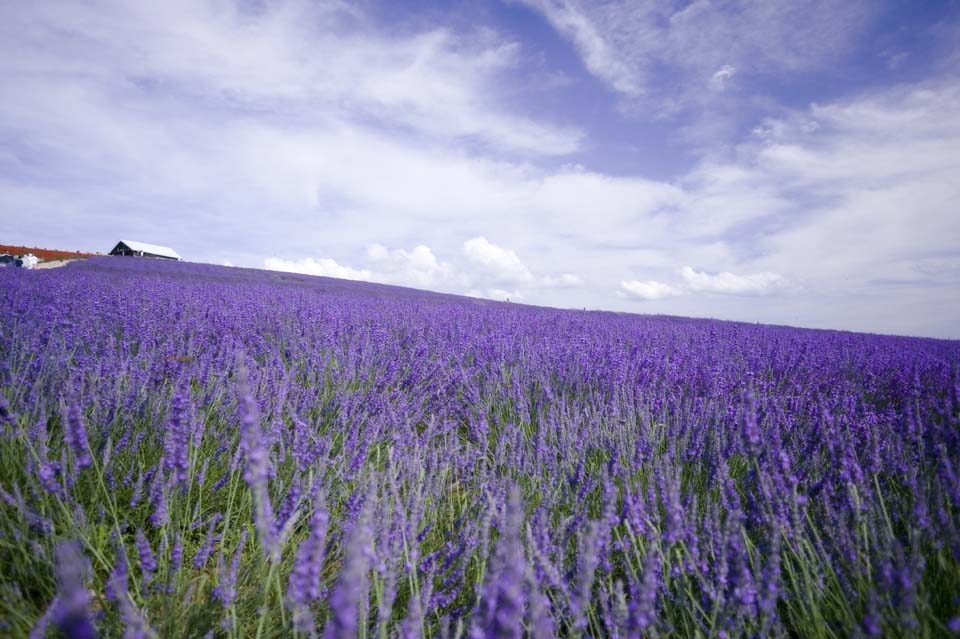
x=418, y=268
x=496, y=263
x=648, y=290
x=564, y=280
x=498, y=294
x=486, y=270
x=727, y=282
x=693, y=281
x=324, y=267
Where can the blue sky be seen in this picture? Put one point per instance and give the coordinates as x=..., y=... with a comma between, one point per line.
x=791, y=162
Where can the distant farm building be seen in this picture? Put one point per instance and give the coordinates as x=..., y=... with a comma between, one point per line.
x=142, y=249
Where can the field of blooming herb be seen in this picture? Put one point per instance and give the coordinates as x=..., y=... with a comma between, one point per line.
x=195, y=451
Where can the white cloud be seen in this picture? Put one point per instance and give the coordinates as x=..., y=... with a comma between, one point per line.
x=730, y=283
x=564, y=280
x=305, y=61
x=498, y=294
x=693, y=281
x=488, y=270
x=325, y=267
x=648, y=290
x=722, y=76
x=419, y=267
x=664, y=51
x=848, y=206
x=348, y=135
x=499, y=264
x=600, y=55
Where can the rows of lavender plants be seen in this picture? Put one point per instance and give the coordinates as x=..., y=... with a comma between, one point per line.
x=195, y=451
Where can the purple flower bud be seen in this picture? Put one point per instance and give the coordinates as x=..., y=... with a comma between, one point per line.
x=226, y=589
x=148, y=562
x=304, y=582
x=257, y=467
x=642, y=610
x=176, y=559
x=954, y=625
x=70, y=610
x=75, y=433
x=176, y=443
x=751, y=429
x=116, y=587
x=206, y=549
x=7, y=418
x=502, y=602
x=351, y=587
x=158, y=501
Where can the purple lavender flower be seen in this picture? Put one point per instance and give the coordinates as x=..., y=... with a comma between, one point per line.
x=176, y=560
x=304, y=449
x=502, y=604
x=203, y=553
x=351, y=587
x=696, y=448
x=148, y=561
x=226, y=588
x=751, y=429
x=7, y=417
x=117, y=582
x=304, y=583
x=137, y=491
x=541, y=623
x=158, y=501
x=176, y=444
x=257, y=467
x=75, y=434
x=642, y=609
x=954, y=625
x=70, y=610
x=135, y=624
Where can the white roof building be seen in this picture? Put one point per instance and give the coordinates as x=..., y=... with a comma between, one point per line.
x=142, y=249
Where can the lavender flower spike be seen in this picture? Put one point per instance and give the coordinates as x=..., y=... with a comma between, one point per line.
x=257, y=464
x=304, y=583
x=352, y=585
x=70, y=610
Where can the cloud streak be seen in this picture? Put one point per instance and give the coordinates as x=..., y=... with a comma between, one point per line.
x=635, y=46
x=295, y=60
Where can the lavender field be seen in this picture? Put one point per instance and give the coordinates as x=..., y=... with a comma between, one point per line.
x=196, y=451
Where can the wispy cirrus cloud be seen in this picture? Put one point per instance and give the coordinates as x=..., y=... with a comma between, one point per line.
x=298, y=61
x=668, y=47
